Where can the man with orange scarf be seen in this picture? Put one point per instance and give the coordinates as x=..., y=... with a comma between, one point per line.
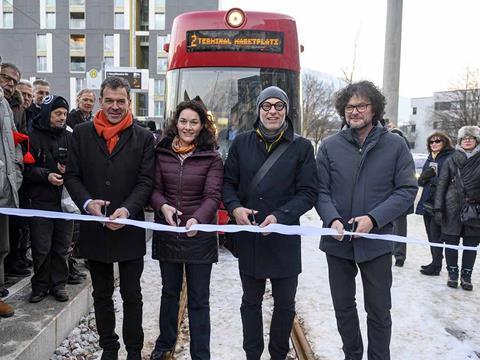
x=110, y=173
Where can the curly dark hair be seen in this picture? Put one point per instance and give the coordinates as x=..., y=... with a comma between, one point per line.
x=364, y=89
x=447, y=142
x=206, y=137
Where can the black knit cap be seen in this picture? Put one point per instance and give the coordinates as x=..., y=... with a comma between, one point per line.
x=59, y=102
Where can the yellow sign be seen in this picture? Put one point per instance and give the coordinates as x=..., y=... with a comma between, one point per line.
x=93, y=73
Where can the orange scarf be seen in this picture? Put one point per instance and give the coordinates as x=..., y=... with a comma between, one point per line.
x=180, y=147
x=111, y=132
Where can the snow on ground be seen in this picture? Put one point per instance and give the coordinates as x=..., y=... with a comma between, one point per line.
x=430, y=320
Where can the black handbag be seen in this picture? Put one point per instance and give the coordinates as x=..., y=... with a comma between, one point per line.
x=470, y=212
x=230, y=239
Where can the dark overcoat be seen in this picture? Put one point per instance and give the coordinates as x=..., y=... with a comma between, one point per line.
x=287, y=191
x=124, y=177
x=376, y=179
x=449, y=197
x=428, y=179
x=194, y=188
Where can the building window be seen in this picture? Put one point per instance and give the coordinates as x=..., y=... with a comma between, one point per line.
x=80, y=84
x=159, y=87
x=158, y=108
x=414, y=110
x=77, y=20
x=6, y=14
x=80, y=3
x=77, y=53
x=443, y=105
x=119, y=20
x=159, y=21
x=161, y=40
x=50, y=20
x=108, y=45
x=161, y=65
x=42, y=64
x=109, y=61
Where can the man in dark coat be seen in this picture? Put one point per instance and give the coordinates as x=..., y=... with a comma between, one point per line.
x=110, y=172
x=286, y=192
x=367, y=180
x=43, y=181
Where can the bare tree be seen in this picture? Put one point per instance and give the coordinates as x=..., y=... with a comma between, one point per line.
x=319, y=116
x=459, y=106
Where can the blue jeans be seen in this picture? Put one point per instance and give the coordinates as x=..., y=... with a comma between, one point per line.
x=198, y=291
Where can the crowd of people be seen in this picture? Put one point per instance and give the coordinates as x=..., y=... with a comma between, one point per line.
x=362, y=180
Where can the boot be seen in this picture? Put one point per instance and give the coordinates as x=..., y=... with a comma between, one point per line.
x=73, y=269
x=109, y=355
x=452, y=276
x=134, y=355
x=5, y=309
x=431, y=270
x=466, y=279
x=427, y=266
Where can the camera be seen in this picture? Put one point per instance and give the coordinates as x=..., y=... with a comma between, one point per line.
x=62, y=156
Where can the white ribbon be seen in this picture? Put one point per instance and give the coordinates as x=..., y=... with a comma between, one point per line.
x=275, y=228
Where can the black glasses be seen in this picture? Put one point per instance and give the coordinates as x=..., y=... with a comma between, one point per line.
x=9, y=78
x=360, y=108
x=279, y=106
x=438, y=141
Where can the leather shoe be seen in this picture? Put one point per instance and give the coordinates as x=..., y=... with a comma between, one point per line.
x=36, y=297
x=426, y=266
x=159, y=355
x=74, y=279
x=5, y=310
x=109, y=355
x=60, y=295
x=134, y=355
x=4, y=292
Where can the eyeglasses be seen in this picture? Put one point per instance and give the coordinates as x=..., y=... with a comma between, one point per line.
x=360, y=108
x=468, y=138
x=279, y=106
x=438, y=141
x=9, y=78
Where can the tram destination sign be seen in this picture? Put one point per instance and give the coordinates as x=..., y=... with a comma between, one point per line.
x=235, y=40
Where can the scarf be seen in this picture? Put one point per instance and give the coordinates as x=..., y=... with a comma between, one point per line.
x=179, y=147
x=271, y=136
x=111, y=132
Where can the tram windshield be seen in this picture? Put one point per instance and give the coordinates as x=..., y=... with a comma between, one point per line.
x=230, y=95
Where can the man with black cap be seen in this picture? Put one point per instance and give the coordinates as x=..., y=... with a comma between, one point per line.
x=270, y=177
x=367, y=180
x=44, y=184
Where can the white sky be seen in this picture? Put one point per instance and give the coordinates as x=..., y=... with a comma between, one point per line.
x=439, y=38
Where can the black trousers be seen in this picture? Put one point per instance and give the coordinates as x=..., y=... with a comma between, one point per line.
x=468, y=257
x=400, y=228
x=283, y=292
x=51, y=239
x=131, y=292
x=198, y=294
x=377, y=281
x=434, y=235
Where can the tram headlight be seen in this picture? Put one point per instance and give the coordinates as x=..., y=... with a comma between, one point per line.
x=235, y=17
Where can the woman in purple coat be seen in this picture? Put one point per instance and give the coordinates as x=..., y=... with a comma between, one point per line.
x=188, y=183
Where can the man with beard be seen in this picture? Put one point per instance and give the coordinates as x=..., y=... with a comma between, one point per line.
x=367, y=180
x=110, y=173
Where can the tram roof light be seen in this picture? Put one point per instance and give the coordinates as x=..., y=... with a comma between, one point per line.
x=235, y=17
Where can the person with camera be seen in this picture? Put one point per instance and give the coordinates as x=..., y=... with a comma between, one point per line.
x=439, y=146
x=459, y=186
x=44, y=184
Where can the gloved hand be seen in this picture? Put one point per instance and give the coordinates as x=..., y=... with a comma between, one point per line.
x=427, y=174
x=438, y=216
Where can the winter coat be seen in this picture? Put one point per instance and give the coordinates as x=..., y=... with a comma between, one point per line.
x=19, y=115
x=449, y=196
x=287, y=191
x=428, y=179
x=11, y=158
x=376, y=179
x=124, y=177
x=49, y=146
x=194, y=188
x=75, y=117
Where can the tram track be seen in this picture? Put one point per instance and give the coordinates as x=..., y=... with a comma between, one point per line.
x=301, y=346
